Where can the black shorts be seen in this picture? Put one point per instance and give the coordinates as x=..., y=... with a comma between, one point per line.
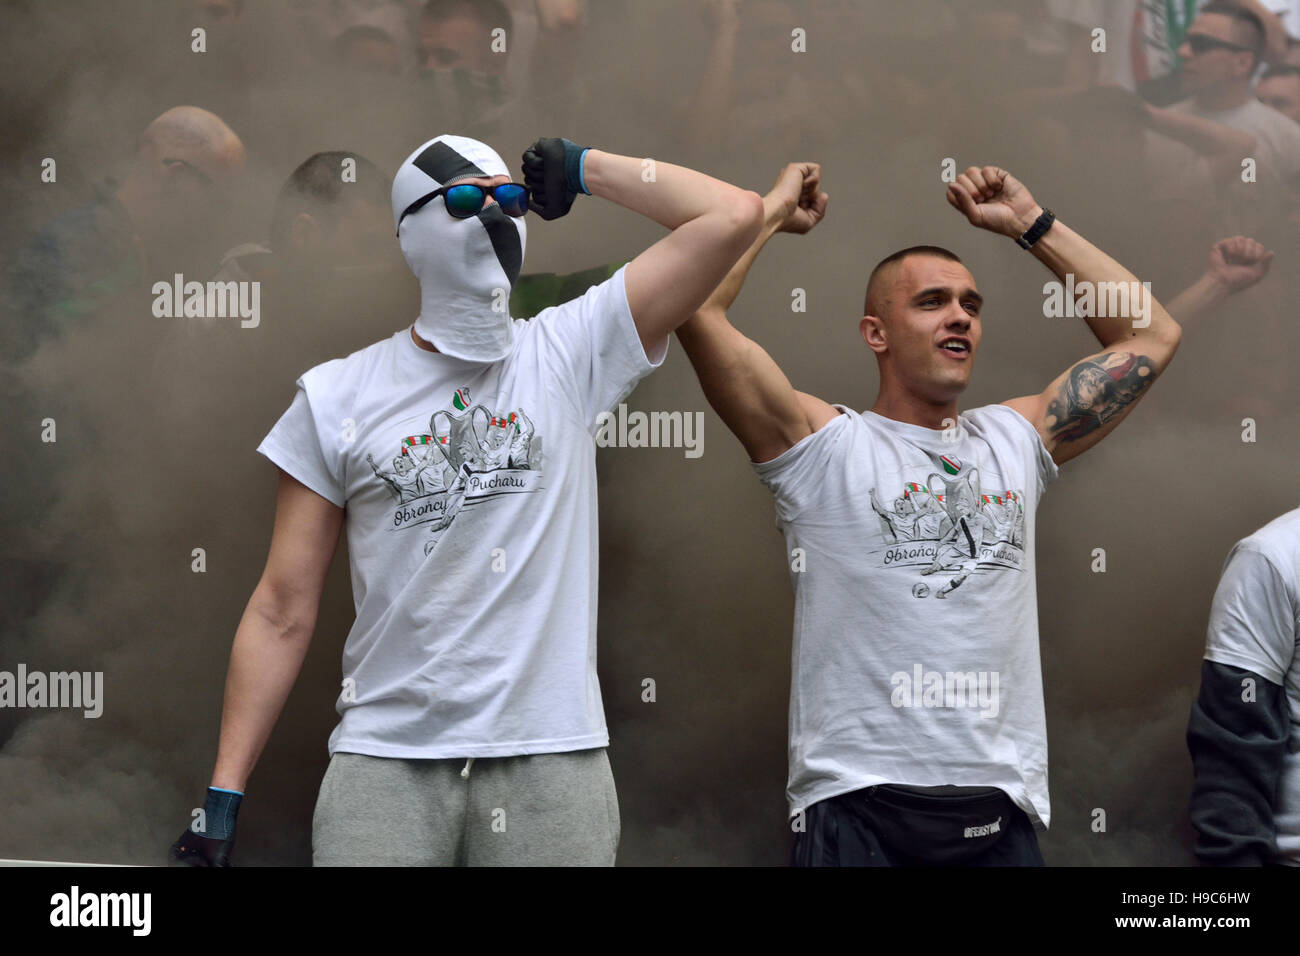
x=887, y=825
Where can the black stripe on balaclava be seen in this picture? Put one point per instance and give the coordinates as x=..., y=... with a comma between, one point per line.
x=466, y=267
x=442, y=164
x=505, y=240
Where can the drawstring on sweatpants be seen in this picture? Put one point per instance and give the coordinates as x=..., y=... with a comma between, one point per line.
x=464, y=773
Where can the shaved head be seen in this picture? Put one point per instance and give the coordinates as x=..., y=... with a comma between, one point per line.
x=197, y=137
x=186, y=161
x=883, y=276
x=922, y=320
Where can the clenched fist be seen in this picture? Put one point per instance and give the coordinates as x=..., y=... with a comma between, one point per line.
x=797, y=190
x=993, y=199
x=552, y=172
x=1238, y=263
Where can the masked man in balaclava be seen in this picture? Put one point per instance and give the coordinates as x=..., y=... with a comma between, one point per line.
x=472, y=729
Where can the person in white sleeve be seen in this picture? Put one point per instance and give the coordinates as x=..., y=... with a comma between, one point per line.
x=460, y=453
x=1244, y=729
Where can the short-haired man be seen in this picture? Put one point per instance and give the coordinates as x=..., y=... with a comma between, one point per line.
x=1279, y=87
x=917, y=726
x=319, y=220
x=1220, y=54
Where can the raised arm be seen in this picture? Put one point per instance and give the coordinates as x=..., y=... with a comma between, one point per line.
x=1235, y=265
x=712, y=224
x=746, y=388
x=1084, y=403
x=1222, y=146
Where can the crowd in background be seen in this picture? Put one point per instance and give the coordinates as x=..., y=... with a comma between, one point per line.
x=1189, y=111
x=1157, y=128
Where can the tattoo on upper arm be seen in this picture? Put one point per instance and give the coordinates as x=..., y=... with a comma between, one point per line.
x=1095, y=391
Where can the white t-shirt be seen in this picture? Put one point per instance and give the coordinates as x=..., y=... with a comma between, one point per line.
x=1277, y=136
x=1255, y=625
x=473, y=572
x=916, y=625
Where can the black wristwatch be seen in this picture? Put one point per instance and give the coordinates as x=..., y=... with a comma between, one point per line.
x=1035, y=232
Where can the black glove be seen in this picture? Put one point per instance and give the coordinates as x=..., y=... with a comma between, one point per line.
x=194, y=850
x=553, y=174
x=212, y=847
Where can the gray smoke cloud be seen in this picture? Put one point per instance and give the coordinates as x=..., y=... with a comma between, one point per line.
x=158, y=419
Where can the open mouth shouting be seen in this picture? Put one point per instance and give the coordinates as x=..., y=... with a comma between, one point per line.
x=956, y=347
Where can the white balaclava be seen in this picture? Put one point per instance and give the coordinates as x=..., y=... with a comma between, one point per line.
x=466, y=267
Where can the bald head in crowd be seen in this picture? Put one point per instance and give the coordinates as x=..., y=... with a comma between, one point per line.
x=183, y=160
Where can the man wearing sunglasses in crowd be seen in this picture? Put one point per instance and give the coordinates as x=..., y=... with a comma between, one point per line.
x=1220, y=54
x=461, y=453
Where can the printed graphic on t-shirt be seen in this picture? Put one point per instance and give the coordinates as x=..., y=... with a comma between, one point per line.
x=946, y=527
x=470, y=455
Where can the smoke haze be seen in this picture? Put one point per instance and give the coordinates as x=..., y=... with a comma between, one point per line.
x=157, y=419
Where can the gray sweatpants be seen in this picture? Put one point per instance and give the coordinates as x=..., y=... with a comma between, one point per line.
x=539, y=810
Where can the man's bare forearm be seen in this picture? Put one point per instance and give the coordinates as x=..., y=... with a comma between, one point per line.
x=742, y=383
x=708, y=335
x=672, y=196
x=1198, y=298
x=1202, y=135
x=1064, y=252
x=265, y=661
x=729, y=288
x=1236, y=264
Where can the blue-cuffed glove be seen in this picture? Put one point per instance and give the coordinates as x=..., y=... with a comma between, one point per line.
x=553, y=174
x=212, y=846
